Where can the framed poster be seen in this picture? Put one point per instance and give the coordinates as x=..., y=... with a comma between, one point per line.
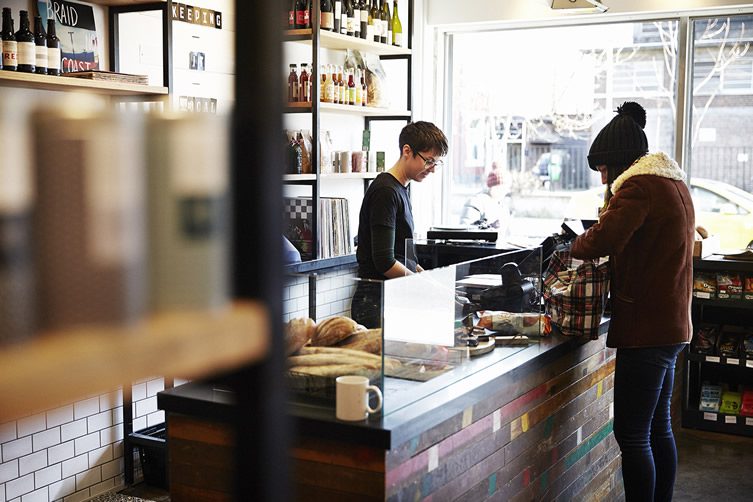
x=74, y=24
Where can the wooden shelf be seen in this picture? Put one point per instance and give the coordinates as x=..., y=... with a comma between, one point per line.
x=361, y=111
x=52, y=83
x=59, y=367
x=330, y=176
x=298, y=177
x=331, y=40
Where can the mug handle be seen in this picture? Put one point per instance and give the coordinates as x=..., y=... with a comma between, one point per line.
x=378, y=393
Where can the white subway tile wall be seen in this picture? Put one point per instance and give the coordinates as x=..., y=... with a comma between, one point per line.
x=333, y=293
x=73, y=452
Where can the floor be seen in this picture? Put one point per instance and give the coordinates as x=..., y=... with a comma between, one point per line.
x=711, y=467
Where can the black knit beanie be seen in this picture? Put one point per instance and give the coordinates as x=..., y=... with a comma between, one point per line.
x=622, y=141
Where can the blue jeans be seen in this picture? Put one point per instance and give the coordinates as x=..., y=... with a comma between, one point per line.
x=643, y=381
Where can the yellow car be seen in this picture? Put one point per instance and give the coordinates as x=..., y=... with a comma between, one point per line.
x=721, y=208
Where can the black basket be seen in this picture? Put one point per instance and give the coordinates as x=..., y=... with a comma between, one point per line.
x=152, y=443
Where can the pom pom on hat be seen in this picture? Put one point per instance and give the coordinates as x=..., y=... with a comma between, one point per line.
x=622, y=141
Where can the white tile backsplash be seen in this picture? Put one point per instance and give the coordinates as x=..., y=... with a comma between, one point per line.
x=146, y=406
x=7, y=432
x=111, y=434
x=85, y=408
x=139, y=392
x=36, y=496
x=48, y=475
x=62, y=488
x=88, y=478
x=73, y=430
x=79, y=496
x=100, y=456
x=158, y=417
x=45, y=439
x=19, y=486
x=8, y=471
x=33, y=462
x=75, y=465
x=17, y=448
x=113, y=468
x=86, y=443
x=61, y=452
x=102, y=487
x=32, y=424
x=60, y=416
x=111, y=400
x=99, y=421
x=154, y=386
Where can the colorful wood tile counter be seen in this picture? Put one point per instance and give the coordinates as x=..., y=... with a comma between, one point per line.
x=536, y=425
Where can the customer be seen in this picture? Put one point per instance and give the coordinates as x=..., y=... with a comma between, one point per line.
x=386, y=218
x=647, y=231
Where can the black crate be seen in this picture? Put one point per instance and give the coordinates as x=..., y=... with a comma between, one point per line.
x=152, y=444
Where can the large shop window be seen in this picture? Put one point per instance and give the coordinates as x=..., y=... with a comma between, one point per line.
x=526, y=103
x=721, y=128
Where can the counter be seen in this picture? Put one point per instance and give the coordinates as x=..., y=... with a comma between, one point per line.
x=536, y=424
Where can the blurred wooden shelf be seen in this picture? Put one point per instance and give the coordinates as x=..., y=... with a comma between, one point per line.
x=371, y=111
x=53, y=83
x=302, y=178
x=59, y=367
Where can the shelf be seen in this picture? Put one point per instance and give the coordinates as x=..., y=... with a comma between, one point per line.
x=719, y=264
x=361, y=111
x=306, y=179
x=319, y=265
x=718, y=422
x=331, y=40
x=53, y=83
x=63, y=366
x=725, y=361
x=716, y=302
x=123, y=2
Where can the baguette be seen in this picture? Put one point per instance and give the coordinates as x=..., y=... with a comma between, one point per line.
x=369, y=341
x=333, y=330
x=333, y=360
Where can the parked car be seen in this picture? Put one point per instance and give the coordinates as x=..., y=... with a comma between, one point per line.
x=723, y=209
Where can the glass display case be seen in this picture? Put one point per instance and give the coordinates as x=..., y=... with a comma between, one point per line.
x=415, y=335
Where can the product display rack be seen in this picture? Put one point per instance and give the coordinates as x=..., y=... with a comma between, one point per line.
x=699, y=367
x=323, y=39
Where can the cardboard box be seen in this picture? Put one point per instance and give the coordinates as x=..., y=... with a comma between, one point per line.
x=706, y=247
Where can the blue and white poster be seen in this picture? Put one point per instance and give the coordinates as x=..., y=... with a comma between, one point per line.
x=74, y=25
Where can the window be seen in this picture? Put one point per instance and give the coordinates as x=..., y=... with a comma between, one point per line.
x=527, y=103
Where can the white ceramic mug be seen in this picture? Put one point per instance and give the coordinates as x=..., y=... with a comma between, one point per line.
x=352, y=397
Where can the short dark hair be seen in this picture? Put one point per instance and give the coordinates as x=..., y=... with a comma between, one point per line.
x=423, y=137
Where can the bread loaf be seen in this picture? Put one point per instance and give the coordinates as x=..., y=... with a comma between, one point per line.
x=298, y=332
x=369, y=340
x=333, y=330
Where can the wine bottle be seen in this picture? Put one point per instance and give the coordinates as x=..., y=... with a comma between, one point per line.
x=329, y=86
x=292, y=84
x=351, y=88
x=384, y=15
x=40, y=42
x=397, y=27
x=351, y=18
x=344, y=17
x=326, y=20
x=26, y=45
x=364, y=24
x=10, y=47
x=53, y=49
x=356, y=18
x=301, y=14
x=291, y=14
x=389, y=22
x=337, y=13
x=375, y=20
x=305, y=92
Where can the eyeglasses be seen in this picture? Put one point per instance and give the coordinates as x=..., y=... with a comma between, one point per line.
x=429, y=163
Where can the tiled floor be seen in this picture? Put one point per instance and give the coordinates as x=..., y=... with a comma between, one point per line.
x=713, y=467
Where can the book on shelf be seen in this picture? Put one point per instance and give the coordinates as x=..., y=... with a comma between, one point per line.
x=109, y=76
x=334, y=226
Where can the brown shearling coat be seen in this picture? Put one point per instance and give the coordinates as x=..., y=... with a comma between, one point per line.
x=647, y=231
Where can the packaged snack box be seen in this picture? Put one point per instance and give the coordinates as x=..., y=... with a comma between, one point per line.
x=704, y=285
x=729, y=343
x=748, y=345
x=748, y=288
x=746, y=409
x=710, y=396
x=729, y=286
x=731, y=402
x=705, y=338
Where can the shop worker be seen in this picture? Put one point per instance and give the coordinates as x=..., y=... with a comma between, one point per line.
x=646, y=229
x=386, y=218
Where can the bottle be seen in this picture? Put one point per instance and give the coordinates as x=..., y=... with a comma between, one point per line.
x=343, y=87
x=291, y=14
x=344, y=17
x=389, y=22
x=364, y=24
x=397, y=27
x=323, y=73
x=53, y=49
x=376, y=21
x=10, y=47
x=351, y=89
x=337, y=13
x=351, y=19
x=329, y=86
x=26, y=45
x=40, y=42
x=359, y=90
x=305, y=93
x=326, y=21
x=356, y=18
x=301, y=14
x=293, y=84
x=384, y=15
x=364, y=90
